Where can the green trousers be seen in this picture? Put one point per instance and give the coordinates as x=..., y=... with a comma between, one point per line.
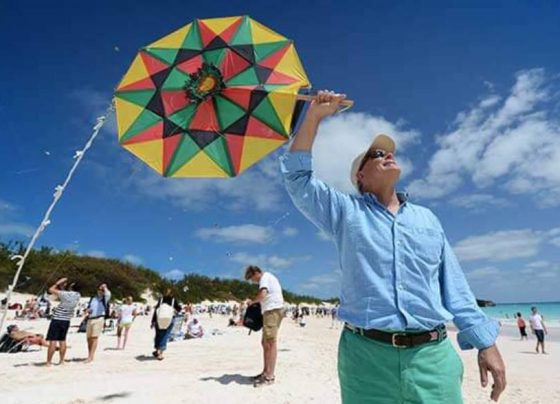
x=378, y=373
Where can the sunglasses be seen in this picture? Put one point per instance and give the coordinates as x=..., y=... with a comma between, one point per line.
x=372, y=154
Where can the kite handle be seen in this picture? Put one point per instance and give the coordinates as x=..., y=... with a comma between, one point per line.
x=346, y=104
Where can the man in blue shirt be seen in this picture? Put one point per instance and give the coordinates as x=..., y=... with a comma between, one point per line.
x=97, y=310
x=400, y=279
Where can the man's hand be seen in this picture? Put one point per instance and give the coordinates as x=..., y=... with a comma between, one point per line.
x=326, y=103
x=489, y=359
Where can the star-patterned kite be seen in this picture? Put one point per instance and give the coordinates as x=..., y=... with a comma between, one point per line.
x=210, y=99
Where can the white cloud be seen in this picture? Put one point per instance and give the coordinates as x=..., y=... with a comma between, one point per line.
x=259, y=188
x=538, y=264
x=15, y=229
x=5, y=207
x=324, y=285
x=323, y=236
x=95, y=103
x=516, y=283
x=266, y=262
x=133, y=259
x=290, y=231
x=503, y=245
x=96, y=254
x=482, y=273
x=512, y=143
x=174, y=274
x=479, y=202
x=245, y=233
x=344, y=136
x=9, y=226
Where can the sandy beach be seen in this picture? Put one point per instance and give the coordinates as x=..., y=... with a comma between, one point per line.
x=215, y=369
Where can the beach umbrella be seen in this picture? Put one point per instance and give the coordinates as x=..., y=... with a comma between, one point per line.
x=210, y=99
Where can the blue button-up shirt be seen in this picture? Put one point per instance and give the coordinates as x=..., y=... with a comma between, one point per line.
x=98, y=304
x=398, y=271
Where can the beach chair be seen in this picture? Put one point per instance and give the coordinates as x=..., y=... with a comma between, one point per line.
x=177, y=330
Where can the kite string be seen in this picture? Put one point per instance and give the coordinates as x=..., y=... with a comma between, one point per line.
x=59, y=190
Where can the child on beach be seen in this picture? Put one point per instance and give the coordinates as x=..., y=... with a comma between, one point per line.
x=127, y=314
x=521, y=325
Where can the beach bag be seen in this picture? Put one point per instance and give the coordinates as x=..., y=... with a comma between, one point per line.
x=164, y=314
x=253, y=319
x=83, y=326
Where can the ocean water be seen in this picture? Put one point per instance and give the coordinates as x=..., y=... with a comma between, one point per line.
x=550, y=311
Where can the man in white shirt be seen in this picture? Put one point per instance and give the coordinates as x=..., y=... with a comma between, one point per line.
x=194, y=329
x=538, y=328
x=272, y=306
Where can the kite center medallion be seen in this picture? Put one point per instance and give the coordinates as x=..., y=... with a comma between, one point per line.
x=205, y=83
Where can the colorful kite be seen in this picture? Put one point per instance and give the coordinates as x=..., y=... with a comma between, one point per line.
x=210, y=99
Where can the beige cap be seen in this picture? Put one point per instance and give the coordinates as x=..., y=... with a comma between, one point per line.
x=382, y=142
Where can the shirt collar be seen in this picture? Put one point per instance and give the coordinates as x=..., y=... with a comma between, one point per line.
x=401, y=196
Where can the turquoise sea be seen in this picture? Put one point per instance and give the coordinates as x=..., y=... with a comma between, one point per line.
x=550, y=310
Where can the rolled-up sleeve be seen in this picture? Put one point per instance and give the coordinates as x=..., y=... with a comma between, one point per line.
x=320, y=203
x=476, y=330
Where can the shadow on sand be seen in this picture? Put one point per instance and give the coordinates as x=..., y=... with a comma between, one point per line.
x=76, y=360
x=55, y=363
x=38, y=364
x=145, y=358
x=227, y=379
x=110, y=397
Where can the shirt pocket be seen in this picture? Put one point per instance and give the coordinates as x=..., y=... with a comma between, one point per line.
x=427, y=244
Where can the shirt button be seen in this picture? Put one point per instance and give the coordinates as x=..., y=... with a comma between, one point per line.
x=401, y=287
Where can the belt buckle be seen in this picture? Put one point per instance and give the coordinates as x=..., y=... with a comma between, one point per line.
x=393, y=340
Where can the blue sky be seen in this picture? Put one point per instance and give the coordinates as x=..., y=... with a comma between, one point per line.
x=470, y=94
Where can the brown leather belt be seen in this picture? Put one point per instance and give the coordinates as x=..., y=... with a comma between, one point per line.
x=402, y=339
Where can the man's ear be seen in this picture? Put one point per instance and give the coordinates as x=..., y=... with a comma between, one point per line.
x=360, y=177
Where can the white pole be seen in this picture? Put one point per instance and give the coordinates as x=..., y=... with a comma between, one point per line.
x=58, y=191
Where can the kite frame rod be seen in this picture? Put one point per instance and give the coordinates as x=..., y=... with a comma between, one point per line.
x=347, y=104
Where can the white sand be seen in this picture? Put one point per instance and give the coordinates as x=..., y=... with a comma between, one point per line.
x=214, y=369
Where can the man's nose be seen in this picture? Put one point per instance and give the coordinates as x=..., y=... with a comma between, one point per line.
x=389, y=156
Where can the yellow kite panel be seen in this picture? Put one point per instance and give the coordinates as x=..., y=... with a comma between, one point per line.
x=200, y=166
x=150, y=152
x=291, y=66
x=173, y=40
x=262, y=34
x=127, y=113
x=219, y=25
x=284, y=105
x=255, y=148
x=136, y=72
